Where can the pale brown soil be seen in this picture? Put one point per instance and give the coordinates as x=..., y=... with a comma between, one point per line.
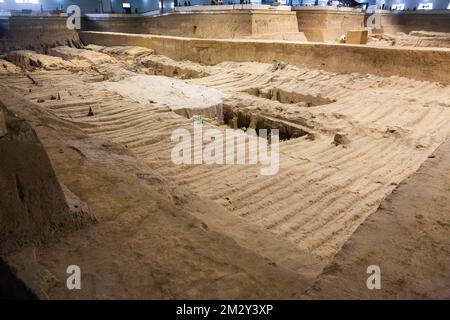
x=413, y=39
x=298, y=219
x=147, y=242
x=408, y=238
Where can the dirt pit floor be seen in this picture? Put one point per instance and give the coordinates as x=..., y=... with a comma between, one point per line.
x=348, y=140
x=412, y=39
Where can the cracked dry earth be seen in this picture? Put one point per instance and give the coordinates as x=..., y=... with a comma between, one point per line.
x=325, y=187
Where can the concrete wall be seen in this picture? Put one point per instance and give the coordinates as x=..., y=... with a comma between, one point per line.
x=424, y=64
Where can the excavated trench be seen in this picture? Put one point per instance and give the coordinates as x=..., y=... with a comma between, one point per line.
x=280, y=95
x=237, y=118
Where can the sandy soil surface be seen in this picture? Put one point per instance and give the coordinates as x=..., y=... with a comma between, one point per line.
x=323, y=191
x=147, y=242
x=413, y=39
x=408, y=238
x=178, y=95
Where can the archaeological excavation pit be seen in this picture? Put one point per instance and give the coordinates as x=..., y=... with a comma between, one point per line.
x=242, y=119
x=89, y=121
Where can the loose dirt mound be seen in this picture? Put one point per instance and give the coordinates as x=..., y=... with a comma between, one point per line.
x=26, y=59
x=149, y=63
x=7, y=67
x=425, y=39
x=123, y=52
x=91, y=57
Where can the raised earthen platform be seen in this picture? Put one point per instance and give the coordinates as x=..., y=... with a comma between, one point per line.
x=407, y=238
x=417, y=63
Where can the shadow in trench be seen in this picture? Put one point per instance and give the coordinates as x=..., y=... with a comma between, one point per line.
x=12, y=288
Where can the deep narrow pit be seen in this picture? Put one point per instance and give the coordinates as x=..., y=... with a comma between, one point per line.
x=287, y=97
x=244, y=119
